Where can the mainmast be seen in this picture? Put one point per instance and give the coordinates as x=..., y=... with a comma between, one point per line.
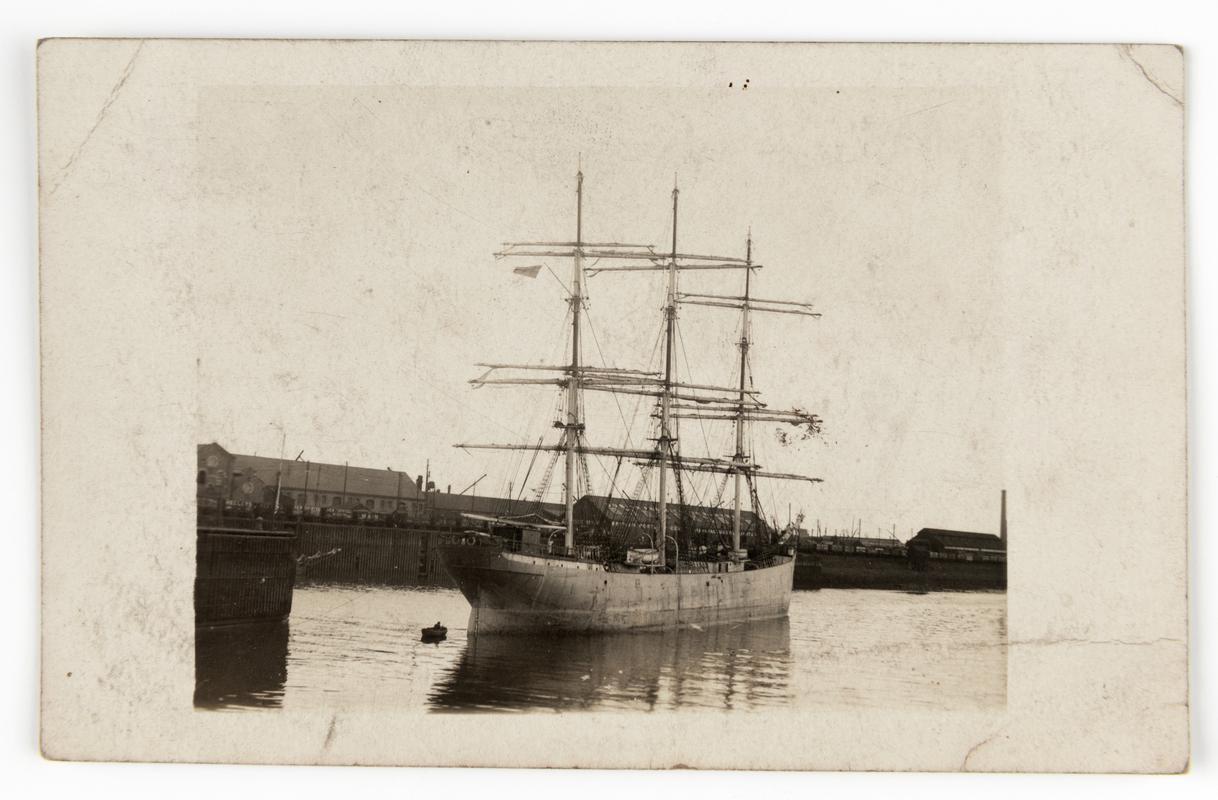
x=670, y=325
x=740, y=405
x=574, y=429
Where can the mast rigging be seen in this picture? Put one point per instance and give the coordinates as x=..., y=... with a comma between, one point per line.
x=675, y=399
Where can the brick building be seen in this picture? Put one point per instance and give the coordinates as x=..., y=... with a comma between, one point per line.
x=251, y=480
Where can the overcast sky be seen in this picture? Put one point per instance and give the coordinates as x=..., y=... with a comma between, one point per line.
x=350, y=285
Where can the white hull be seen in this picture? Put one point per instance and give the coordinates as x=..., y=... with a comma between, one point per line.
x=514, y=592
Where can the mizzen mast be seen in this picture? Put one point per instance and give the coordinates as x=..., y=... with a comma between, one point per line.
x=746, y=407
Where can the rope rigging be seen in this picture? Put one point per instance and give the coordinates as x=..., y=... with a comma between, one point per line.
x=698, y=497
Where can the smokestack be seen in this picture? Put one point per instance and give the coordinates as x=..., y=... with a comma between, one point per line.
x=1002, y=526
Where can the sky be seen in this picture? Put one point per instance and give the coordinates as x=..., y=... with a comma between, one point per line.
x=349, y=285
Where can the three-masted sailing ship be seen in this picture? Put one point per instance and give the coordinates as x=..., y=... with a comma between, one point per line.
x=515, y=575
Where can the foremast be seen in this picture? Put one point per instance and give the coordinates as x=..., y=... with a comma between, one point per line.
x=572, y=444
x=574, y=428
x=739, y=456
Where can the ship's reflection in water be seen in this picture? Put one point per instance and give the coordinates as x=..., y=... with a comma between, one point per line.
x=241, y=665
x=736, y=667
x=358, y=649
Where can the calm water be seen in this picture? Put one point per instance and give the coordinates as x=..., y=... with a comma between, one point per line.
x=358, y=648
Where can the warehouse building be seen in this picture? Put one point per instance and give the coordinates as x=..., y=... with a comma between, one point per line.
x=623, y=518
x=447, y=508
x=937, y=540
x=247, y=481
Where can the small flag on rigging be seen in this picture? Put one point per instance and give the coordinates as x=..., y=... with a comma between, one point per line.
x=528, y=272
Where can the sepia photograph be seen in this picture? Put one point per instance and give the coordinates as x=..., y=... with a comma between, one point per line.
x=609, y=472
x=612, y=391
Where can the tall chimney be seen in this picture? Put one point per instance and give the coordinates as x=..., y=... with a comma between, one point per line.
x=1002, y=527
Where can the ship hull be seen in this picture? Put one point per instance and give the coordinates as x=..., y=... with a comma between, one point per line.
x=513, y=592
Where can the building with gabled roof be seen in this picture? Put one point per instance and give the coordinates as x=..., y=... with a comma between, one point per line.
x=252, y=479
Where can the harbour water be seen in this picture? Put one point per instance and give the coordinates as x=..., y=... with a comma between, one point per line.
x=349, y=647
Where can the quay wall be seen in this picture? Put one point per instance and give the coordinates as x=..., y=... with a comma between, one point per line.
x=355, y=553
x=363, y=554
x=243, y=575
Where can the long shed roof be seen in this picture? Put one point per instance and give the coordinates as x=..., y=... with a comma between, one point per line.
x=479, y=504
x=642, y=511
x=965, y=540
